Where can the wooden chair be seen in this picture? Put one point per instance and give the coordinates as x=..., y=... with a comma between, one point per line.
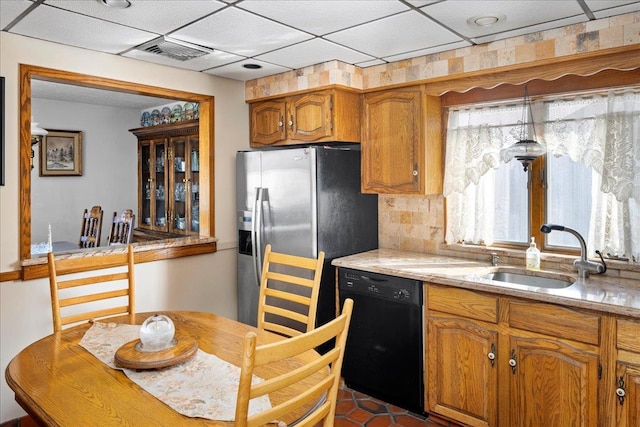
x=106, y=287
x=289, y=289
x=121, y=228
x=91, y=228
x=324, y=390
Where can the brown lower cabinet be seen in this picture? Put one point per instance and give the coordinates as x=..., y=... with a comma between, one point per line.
x=627, y=378
x=495, y=360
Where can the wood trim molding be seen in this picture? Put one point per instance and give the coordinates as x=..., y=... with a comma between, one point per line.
x=182, y=128
x=206, y=137
x=583, y=64
x=622, y=59
x=304, y=92
x=9, y=276
x=38, y=271
x=605, y=79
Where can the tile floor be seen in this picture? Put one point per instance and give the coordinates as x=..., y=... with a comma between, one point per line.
x=355, y=409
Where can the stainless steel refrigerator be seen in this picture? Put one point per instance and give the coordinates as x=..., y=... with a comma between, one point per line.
x=301, y=201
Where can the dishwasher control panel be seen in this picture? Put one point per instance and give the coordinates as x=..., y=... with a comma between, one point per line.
x=392, y=288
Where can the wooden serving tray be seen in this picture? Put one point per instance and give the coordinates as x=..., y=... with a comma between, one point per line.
x=128, y=356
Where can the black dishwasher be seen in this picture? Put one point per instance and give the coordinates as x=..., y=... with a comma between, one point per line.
x=384, y=354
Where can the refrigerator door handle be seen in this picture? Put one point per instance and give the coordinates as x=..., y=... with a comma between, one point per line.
x=256, y=235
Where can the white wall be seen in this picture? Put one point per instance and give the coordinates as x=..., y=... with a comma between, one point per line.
x=204, y=282
x=109, y=170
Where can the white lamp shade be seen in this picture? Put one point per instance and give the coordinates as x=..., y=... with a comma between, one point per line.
x=37, y=130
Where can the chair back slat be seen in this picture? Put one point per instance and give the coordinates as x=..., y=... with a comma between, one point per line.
x=91, y=228
x=87, y=288
x=289, y=290
x=321, y=375
x=122, y=227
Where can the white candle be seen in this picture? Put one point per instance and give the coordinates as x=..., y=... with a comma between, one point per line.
x=49, y=242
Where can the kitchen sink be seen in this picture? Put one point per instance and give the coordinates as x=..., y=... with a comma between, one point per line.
x=529, y=280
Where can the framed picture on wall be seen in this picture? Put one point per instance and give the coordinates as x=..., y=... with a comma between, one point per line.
x=61, y=153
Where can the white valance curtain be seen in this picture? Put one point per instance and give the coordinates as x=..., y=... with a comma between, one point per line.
x=600, y=131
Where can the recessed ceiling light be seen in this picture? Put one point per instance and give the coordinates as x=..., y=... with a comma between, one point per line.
x=485, y=20
x=116, y=4
x=252, y=66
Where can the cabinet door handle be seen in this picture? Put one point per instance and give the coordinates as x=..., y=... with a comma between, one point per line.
x=492, y=355
x=512, y=361
x=281, y=122
x=415, y=172
x=291, y=122
x=620, y=392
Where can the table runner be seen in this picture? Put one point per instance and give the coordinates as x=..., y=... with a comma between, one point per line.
x=204, y=386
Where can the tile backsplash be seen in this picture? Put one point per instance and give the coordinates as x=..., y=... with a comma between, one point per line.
x=417, y=224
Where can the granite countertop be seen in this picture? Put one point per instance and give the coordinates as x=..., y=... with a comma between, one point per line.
x=38, y=259
x=598, y=292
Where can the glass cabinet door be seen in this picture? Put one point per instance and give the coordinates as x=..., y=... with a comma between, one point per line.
x=146, y=163
x=152, y=209
x=185, y=185
x=179, y=186
x=160, y=208
x=194, y=167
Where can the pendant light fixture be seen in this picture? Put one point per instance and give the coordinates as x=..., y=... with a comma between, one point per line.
x=36, y=136
x=527, y=149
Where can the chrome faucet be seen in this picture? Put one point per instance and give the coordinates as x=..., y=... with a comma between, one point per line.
x=494, y=259
x=583, y=265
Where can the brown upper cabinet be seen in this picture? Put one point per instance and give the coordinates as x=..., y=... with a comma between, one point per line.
x=331, y=115
x=401, y=142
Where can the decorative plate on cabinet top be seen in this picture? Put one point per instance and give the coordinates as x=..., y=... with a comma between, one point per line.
x=165, y=115
x=176, y=114
x=145, y=119
x=188, y=111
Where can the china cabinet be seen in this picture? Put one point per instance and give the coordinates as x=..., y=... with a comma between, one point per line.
x=168, y=178
x=401, y=142
x=511, y=358
x=331, y=115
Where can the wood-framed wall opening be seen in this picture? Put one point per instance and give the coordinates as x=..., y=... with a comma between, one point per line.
x=206, y=136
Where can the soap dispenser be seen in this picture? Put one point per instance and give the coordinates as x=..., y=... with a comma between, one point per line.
x=533, y=256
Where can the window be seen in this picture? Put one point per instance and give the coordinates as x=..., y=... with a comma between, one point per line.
x=589, y=180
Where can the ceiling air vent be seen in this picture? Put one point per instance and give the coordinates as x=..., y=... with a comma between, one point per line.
x=174, y=49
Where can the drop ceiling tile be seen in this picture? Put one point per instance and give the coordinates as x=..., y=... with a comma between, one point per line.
x=322, y=17
x=64, y=27
x=158, y=16
x=517, y=14
x=312, y=52
x=423, y=52
x=205, y=62
x=394, y=35
x=532, y=29
x=240, y=32
x=606, y=8
x=10, y=10
x=236, y=71
x=595, y=5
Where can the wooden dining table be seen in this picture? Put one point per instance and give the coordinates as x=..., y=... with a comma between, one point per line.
x=59, y=383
